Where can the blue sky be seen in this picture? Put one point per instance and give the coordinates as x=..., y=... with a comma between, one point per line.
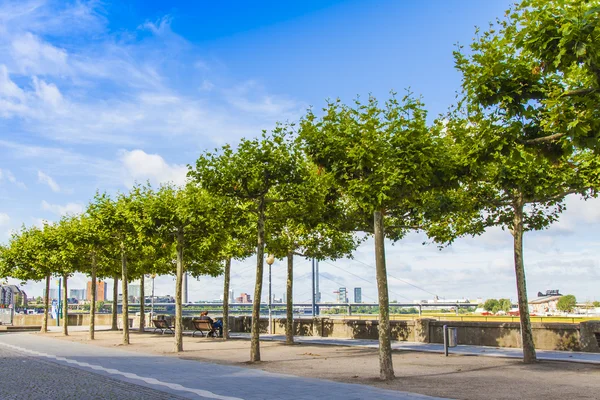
x=98, y=95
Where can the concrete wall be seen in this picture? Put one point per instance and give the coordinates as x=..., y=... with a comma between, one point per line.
x=547, y=336
x=74, y=320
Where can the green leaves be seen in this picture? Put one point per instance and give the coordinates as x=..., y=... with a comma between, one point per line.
x=526, y=133
x=382, y=158
x=188, y=217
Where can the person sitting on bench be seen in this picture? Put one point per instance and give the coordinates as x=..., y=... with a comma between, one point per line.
x=218, y=324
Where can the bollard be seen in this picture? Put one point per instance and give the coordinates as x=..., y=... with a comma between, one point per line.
x=446, y=340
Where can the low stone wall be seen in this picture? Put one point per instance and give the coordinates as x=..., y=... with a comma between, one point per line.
x=329, y=327
x=73, y=319
x=546, y=336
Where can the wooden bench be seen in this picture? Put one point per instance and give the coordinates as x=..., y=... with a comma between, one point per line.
x=204, y=327
x=163, y=326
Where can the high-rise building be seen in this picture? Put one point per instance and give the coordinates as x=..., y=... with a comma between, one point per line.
x=357, y=295
x=342, y=295
x=53, y=294
x=231, y=296
x=100, y=291
x=134, y=292
x=78, y=294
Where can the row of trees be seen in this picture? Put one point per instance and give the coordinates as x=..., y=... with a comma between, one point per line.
x=523, y=135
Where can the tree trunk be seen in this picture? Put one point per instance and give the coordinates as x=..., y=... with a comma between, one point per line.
x=178, y=294
x=46, y=306
x=125, y=300
x=529, y=355
x=115, y=305
x=289, y=318
x=142, y=306
x=386, y=367
x=65, y=307
x=93, y=299
x=226, y=299
x=260, y=252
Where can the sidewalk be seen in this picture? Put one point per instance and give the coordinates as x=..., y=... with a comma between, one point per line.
x=486, y=351
x=506, y=352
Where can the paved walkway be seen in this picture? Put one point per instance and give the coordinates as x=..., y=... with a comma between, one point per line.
x=507, y=352
x=188, y=379
x=551, y=355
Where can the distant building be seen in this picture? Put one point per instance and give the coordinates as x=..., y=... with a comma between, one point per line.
x=357, y=295
x=244, y=298
x=164, y=299
x=78, y=294
x=12, y=295
x=545, y=302
x=100, y=291
x=53, y=294
x=342, y=295
x=134, y=291
x=231, y=296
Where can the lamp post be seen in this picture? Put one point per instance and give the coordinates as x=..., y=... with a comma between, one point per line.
x=270, y=261
x=58, y=303
x=152, y=299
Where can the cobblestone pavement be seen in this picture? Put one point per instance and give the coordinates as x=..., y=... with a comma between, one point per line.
x=32, y=378
x=171, y=375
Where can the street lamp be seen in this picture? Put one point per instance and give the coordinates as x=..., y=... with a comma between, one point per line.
x=270, y=261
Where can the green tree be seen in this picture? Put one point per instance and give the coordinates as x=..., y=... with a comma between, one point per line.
x=504, y=305
x=491, y=305
x=259, y=174
x=93, y=242
x=191, y=220
x=566, y=303
x=522, y=155
x=69, y=259
x=239, y=245
x=596, y=304
x=314, y=227
x=118, y=218
x=386, y=161
x=31, y=255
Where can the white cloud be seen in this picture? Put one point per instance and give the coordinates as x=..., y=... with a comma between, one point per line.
x=140, y=166
x=48, y=93
x=68, y=99
x=34, y=56
x=67, y=209
x=8, y=88
x=252, y=97
x=46, y=179
x=6, y=174
x=4, y=219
